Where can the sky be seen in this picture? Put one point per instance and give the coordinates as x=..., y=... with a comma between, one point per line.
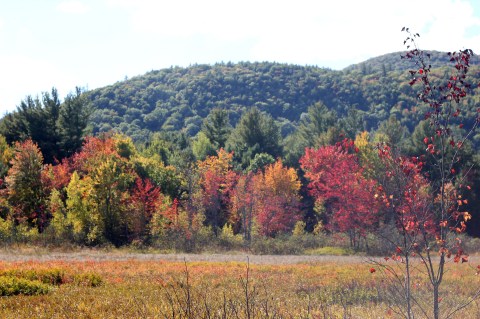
x=94, y=43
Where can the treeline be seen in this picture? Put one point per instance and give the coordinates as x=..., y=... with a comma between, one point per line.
x=249, y=150
x=242, y=182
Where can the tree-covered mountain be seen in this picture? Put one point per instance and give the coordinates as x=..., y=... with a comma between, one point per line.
x=179, y=99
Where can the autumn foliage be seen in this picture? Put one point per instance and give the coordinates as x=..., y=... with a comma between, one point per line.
x=340, y=189
x=276, y=206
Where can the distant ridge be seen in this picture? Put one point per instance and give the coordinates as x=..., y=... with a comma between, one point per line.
x=179, y=98
x=393, y=62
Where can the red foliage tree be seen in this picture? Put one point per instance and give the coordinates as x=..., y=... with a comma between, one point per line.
x=95, y=150
x=336, y=182
x=428, y=212
x=144, y=201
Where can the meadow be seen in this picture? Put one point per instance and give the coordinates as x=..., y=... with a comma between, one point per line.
x=96, y=284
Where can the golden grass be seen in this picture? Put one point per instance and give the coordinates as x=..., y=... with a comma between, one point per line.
x=142, y=288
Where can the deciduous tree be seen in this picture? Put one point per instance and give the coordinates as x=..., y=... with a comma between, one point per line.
x=428, y=213
x=277, y=204
x=336, y=182
x=25, y=190
x=217, y=180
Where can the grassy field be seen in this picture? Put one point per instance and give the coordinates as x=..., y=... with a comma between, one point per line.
x=93, y=284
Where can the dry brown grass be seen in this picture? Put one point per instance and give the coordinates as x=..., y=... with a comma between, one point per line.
x=150, y=285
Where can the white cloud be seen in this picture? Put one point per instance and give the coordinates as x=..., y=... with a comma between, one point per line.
x=306, y=31
x=72, y=6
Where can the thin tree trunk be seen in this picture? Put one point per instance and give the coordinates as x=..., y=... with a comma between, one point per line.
x=408, y=296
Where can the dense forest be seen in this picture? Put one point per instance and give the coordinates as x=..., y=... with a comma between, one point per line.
x=246, y=149
x=177, y=99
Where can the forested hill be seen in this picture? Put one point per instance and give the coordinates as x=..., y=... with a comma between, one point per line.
x=179, y=98
x=393, y=61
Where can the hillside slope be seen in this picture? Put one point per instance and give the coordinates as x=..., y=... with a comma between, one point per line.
x=180, y=98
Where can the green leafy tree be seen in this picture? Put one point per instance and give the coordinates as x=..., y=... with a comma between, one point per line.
x=165, y=177
x=202, y=147
x=59, y=224
x=6, y=154
x=260, y=161
x=109, y=183
x=158, y=147
x=82, y=213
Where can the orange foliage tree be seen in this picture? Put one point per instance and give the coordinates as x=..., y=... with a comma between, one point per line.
x=25, y=189
x=270, y=199
x=217, y=180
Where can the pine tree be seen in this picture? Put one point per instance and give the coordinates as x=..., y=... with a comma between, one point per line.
x=217, y=127
x=72, y=123
x=255, y=133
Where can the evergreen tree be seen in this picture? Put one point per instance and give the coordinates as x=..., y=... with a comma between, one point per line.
x=47, y=132
x=394, y=131
x=319, y=119
x=217, y=127
x=353, y=123
x=35, y=119
x=72, y=122
x=255, y=133
x=57, y=128
x=6, y=154
x=312, y=127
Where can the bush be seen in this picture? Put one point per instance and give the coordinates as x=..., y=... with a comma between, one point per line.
x=6, y=229
x=286, y=244
x=25, y=234
x=52, y=276
x=10, y=286
x=329, y=250
x=88, y=279
x=228, y=240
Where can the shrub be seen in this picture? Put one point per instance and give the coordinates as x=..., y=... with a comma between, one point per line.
x=10, y=286
x=333, y=251
x=285, y=244
x=299, y=228
x=25, y=234
x=54, y=276
x=88, y=279
x=6, y=229
x=228, y=240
